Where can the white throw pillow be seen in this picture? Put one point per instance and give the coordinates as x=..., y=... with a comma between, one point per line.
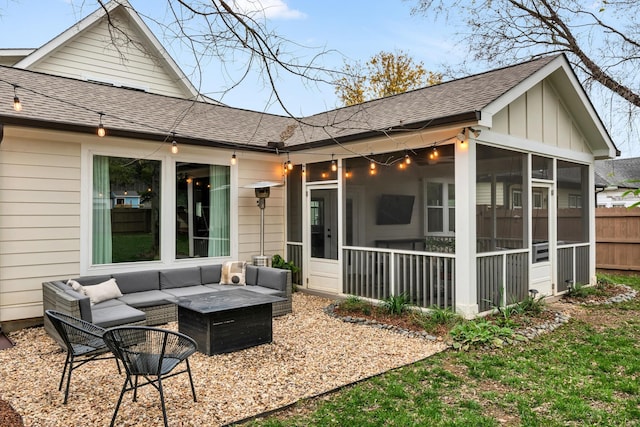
x=103, y=291
x=233, y=273
x=75, y=286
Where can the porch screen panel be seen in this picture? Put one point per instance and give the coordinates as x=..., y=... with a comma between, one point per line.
x=294, y=205
x=573, y=222
x=500, y=208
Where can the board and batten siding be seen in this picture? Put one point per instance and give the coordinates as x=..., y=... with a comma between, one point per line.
x=540, y=115
x=93, y=55
x=39, y=220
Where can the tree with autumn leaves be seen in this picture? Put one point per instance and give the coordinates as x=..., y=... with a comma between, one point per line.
x=385, y=74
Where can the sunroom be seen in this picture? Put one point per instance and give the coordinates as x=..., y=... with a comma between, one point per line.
x=470, y=214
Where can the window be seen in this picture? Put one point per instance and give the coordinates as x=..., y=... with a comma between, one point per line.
x=575, y=201
x=440, y=207
x=122, y=233
x=516, y=199
x=127, y=224
x=202, y=210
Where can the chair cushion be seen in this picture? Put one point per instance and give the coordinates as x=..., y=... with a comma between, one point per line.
x=137, y=281
x=274, y=278
x=263, y=291
x=102, y=291
x=251, y=274
x=180, y=277
x=108, y=303
x=117, y=315
x=188, y=291
x=210, y=273
x=233, y=273
x=145, y=299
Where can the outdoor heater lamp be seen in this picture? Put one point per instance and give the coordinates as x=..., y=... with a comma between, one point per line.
x=262, y=189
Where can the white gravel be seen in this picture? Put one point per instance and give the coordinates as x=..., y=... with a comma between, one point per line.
x=311, y=353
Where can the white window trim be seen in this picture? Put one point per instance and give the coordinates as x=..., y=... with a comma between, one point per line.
x=444, y=206
x=128, y=148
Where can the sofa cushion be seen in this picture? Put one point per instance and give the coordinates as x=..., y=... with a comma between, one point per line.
x=108, y=303
x=251, y=274
x=180, y=277
x=263, y=290
x=137, y=281
x=188, y=291
x=274, y=278
x=84, y=303
x=117, y=315
x=145, y=299
x=92, y=280
x=210, y=273
x=217, y=287
x=102, y=292
x=233, y=273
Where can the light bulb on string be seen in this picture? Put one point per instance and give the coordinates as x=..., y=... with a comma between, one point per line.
x=234, y=159
x=334, y=165
x=407, y=159
x=174, y=144
x=17, y=105
x=101, y=129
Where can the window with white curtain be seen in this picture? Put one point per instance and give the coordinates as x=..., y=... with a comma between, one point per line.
x=202, y=210
x=127, y=231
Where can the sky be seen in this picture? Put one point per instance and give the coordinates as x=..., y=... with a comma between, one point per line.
x=347, y=30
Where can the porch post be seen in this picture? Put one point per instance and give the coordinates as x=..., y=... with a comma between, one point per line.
x=465, y=270
x=591, y=222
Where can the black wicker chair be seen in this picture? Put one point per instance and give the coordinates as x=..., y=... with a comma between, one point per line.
x=151, y=353
x=82, y=341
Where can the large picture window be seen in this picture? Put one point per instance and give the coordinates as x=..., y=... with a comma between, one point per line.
x=202, y=210
x=126, y=210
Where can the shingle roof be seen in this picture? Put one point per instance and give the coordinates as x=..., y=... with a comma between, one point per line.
x=618, y=173
x=59, y=102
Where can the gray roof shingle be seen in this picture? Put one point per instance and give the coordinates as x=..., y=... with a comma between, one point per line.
x=59, y=102
x=622, y=173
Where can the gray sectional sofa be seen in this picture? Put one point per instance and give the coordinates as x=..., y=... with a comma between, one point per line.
x=147, y=295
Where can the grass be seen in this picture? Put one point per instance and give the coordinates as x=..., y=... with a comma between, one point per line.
x=584, y=373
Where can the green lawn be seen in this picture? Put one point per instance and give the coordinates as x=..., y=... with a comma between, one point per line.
x=585, y=373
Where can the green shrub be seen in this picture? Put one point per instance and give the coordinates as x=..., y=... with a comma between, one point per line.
x=532, y=305
x=278, y=262
x=353, y=304
x=396, y=304
x=580, y=290
x=443, y=316
x=480, y=332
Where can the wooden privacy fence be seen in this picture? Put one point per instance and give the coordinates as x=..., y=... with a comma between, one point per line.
x=618, y=239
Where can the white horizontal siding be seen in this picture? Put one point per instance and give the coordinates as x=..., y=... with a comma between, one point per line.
x=100, y=55
x=39, y=220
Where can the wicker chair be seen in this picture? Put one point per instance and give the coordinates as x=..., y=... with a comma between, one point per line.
x=82, y=341
x=151, y=353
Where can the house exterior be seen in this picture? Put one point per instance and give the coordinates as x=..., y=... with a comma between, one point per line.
x=465, y=194
x=616, y=180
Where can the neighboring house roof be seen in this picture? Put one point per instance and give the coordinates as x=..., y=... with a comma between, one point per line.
x=621, y=173
x=10, y=56
x=51, y=101
x=153, y=48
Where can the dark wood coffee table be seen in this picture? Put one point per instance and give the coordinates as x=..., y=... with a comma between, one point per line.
x=226, y=321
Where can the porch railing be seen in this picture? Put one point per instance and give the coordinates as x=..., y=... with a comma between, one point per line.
x=294, y=254
x=573, y=265
x=427, y=279
x=502, y=278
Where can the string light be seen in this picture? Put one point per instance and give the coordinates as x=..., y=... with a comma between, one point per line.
x=174, y=144
x=234, y=159
x=348, y=174
x=434, y=153
x=304, y=170
x=334, y=165
x=101, y=130
x=289, y=165
x=17, y=105
x=407, y=159
x=372, y=165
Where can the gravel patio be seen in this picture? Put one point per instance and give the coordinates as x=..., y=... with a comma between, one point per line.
x=311, y=353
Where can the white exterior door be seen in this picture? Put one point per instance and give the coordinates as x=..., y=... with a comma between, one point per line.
x=543, y=223
x=323, y=269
